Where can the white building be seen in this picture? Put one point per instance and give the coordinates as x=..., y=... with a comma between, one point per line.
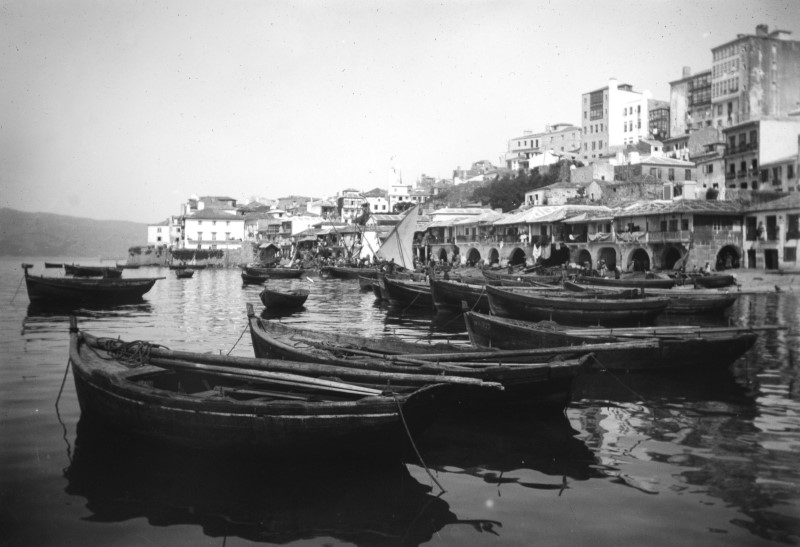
x=211, y=229
x=158, y=233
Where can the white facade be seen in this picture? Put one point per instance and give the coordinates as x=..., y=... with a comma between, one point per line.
x=158, y=234
x=209, y=230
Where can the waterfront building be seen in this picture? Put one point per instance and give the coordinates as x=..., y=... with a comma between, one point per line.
x=762, y=155
x=538, y=149
x=690, y=103
x=755, y=76
x=348, y=204
x=558, y=193
x=615, y=116
x=212, y=229
x=772, y=233
x=378, y=201
x=158, y=233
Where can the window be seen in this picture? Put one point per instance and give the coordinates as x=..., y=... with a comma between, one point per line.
x=199, y=222
x=213, y=236
x=671, y=174
x=790, y=254
x=213, y=222
x=227, y=235
x=200, y=236
x=663, y=225
x=790, y=171
x=684, y=224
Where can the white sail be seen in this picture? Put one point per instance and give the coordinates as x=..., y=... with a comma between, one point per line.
x=399, y=245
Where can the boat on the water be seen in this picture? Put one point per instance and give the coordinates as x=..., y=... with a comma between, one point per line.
x=274, y=273
x=59, y=290
x=406, y=293
x=500, y=277
x=347, y=272
x=574, y=308
x=677, y=347
x=53, y=264
x=185, y=273
x=284, y=299
x=714, y=281
x=92, y=271
x=541, y=379
x=211, y=401
x=453, y=295
x=250, y=279
x=635, y=281
x=681, y=301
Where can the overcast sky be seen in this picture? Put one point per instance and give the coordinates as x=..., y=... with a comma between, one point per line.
x=123, y=109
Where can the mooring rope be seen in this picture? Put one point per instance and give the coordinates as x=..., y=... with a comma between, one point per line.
x=15, y=292
x=414, y=445
x=58, y=413
x=240, y=337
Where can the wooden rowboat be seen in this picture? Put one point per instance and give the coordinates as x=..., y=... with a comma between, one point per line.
x=92, y=271
x=453, y=295
x=637, y=282
x=344, y=272
x=274, y=273
x=185, y=273
x=406, y=293
x=58, y=290
x=540, y=379
x=496, y=277
x=53, y=264
x=681, y=301
x=280, y=299
x=216, y=402
x=249, y=279
x=691, y=347
x=714, y=281
x=573, y=308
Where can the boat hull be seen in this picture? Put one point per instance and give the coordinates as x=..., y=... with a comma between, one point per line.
x=574, y=311
x=695, y=350
x=284, y=299
x=60, y=290
x=452, y=296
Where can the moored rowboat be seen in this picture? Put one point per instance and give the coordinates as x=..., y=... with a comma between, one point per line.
x=284, y=299
x=93, y=290
x=690, y=347
x=214, y=402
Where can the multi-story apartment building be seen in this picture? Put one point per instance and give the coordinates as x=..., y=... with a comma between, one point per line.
x=615, y=116
x=690, y=102
x=349, y=204
x=755, y=76
x=762, y=155
x=212, y=229
x=559, y=139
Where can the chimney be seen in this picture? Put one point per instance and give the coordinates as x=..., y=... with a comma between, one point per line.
x=687, y=71
x=762, y=30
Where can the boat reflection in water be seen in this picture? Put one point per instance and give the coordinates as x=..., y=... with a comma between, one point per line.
x=533, y=451
x=280, y=501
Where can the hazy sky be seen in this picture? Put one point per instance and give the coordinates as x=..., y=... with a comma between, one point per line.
x=123, y=109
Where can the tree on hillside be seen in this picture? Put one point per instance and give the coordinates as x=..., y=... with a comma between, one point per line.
x=508, y=193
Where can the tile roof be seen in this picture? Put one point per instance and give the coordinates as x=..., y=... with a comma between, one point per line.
x=548, y=213
x=792, y=201
x=661, y=207
x=213, y=214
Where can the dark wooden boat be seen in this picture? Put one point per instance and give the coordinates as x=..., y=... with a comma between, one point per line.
x=95, y=290
x=92, y=271
x=690, y=347
x=573, y=308
x=249, y=279
x=497, y=276
x=453, y=295
x=131, y=266
x=637, y=282
x=185, y=273
x=284, y=299
x=714, y=281
x=365, y=282
x=681, y=301
x=215, y=402
x=53, y=264
x=540, y=379
x=407, y=293
x=274, y=273
x=344, y=272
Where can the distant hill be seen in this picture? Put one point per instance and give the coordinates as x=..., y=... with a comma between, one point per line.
x=46, y=234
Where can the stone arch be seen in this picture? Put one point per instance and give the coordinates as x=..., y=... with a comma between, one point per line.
x=584, y=257
x=670, y=257
x=609, y=255
x=442, y=254
x=728, y=257
x=494, y=256
x=517, y=257
x=639, y=260
x=473, y=256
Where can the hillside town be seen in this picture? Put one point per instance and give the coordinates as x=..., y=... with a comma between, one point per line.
x=707, y=176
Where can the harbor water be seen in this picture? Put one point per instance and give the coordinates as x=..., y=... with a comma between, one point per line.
x=690, y=459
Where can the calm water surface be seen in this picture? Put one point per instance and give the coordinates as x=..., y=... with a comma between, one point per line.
x=635, y=460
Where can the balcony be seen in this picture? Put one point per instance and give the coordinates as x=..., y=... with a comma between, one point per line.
x=730, y=175
x=680, y=236
x=741, y=174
